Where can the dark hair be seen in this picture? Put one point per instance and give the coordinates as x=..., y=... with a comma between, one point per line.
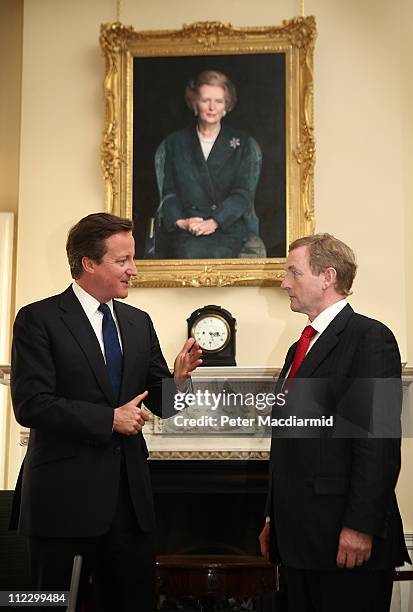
x=327, y=251
x=87, y=238
x=211, y=77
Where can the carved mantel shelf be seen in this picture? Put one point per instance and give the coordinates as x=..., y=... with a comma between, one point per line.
x=221, y=447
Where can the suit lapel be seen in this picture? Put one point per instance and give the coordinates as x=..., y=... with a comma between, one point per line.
x=129, y=346
x=222, y=150
x=325, y=343
x=287, y=363
x=196, y=159
x=75, y=319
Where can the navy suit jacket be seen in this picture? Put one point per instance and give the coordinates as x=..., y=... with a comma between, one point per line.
x=61, y=390
x=321, y=484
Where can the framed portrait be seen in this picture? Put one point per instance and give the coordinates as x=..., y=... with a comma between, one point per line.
x=209, y=147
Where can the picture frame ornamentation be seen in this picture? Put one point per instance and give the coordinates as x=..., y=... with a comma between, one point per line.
x=272, y=68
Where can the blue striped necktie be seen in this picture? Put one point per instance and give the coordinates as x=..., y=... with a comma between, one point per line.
x=113, y=353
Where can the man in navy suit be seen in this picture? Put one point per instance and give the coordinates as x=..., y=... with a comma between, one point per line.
x=332, y=515
x=82, y=363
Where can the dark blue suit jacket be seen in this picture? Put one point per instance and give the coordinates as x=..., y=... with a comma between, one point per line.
x=61, y=390
x=320, y=484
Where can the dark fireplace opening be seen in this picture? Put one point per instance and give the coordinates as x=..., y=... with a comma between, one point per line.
x=209, y=507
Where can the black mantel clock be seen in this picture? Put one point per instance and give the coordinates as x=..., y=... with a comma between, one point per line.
x=214, y=329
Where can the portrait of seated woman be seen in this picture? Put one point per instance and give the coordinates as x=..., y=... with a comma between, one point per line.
x=207, y=175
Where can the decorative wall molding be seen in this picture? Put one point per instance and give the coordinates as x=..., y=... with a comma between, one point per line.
x=209, y=455
x=216, y=447
x=6, y=276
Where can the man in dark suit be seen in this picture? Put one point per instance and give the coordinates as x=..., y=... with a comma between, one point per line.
x=332, y=515
x=82, y=364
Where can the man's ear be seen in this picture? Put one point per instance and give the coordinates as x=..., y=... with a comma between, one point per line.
x=88, y=265
x=330, y=276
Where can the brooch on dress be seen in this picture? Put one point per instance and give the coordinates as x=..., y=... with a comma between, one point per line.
x=234, y=143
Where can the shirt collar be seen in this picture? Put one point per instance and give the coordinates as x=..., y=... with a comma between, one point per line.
x=89, y=304
x=323, y=320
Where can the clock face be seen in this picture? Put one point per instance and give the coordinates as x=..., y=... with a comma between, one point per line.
x=211, y=332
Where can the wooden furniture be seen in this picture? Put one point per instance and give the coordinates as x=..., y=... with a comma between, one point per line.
x=215, y=577
x=403, y=576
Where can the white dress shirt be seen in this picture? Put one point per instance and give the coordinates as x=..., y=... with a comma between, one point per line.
x=206, y=144
x=90, y=305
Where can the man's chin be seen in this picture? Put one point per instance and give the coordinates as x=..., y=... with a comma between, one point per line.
x=293, y=305
x=123, y=292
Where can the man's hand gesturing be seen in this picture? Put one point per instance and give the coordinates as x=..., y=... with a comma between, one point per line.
x=186, y=361
x=129, y=419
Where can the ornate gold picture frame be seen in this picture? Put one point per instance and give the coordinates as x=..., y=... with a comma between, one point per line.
x=146, y=75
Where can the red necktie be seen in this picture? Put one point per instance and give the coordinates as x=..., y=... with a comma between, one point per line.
x=301, y=349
